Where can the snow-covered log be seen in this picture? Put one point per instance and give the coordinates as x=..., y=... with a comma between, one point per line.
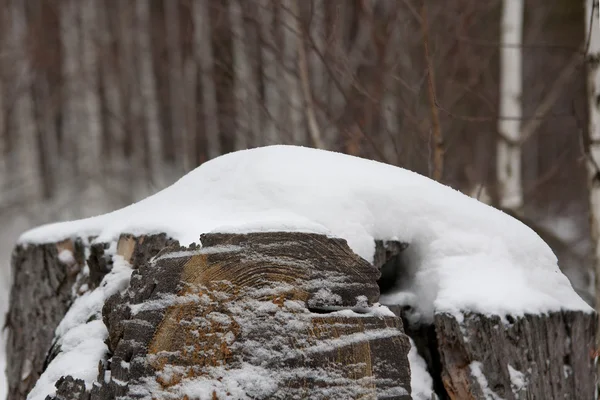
x=282, y=297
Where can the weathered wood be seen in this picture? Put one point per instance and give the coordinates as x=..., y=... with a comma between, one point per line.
x=250, y=305
x=40, y=297
x=551, y=353
x=42, y=292
x=286, y=310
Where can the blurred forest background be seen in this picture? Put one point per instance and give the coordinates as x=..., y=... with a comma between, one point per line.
x=104, y=102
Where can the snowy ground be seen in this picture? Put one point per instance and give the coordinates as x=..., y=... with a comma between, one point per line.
x=465, y=255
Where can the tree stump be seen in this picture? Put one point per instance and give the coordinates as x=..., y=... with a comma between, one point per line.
x=273, y=315
x=263, y=315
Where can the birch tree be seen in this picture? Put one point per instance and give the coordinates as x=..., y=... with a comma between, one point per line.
x=509, y=124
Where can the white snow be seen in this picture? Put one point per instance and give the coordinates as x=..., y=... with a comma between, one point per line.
x=518, y=380
x=421, y=383
x=477, y=373
x=66, y=257
x=465, y=255
x=81, y=334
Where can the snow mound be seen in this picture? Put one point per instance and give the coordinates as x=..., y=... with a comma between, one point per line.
x=465, y=255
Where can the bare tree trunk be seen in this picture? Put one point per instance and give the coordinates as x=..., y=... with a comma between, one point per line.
x=303, y=71
x=241, y=76
x=291, y=40
x=204, y=57
x=271, y=73
x=437, y=172
x=348, y=58
x=113, y=115
x=510, y=190
x=73, y=97
x=318, y=72
x=89, y=146
x=390, y=107
x=176, y=90
x=152, y=153
x=23, y=106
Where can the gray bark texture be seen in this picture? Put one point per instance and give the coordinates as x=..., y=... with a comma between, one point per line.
x=275, y=302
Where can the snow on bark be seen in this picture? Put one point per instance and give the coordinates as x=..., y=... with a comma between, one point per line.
x=509, y=123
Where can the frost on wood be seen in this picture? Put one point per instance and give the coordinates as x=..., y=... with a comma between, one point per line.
x=40, y=297
x=264, y=315
x=48, y=282
x=231, y=318
x=286, y=315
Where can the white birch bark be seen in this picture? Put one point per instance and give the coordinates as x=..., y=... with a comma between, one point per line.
x=148, y=97
x=271, y=73
x=177, y=92
x=204, y=56
x=594, y=134
x=241, y=75
x=23, y=106
x=509, y=124
x=291, y=40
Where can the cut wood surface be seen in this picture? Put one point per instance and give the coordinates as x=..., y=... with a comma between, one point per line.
x=275, y=315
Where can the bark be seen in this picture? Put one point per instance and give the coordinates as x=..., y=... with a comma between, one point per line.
x=508, y=167
x=559, y=369
x=40, y=298
x=265, y=301
x=272, y=304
